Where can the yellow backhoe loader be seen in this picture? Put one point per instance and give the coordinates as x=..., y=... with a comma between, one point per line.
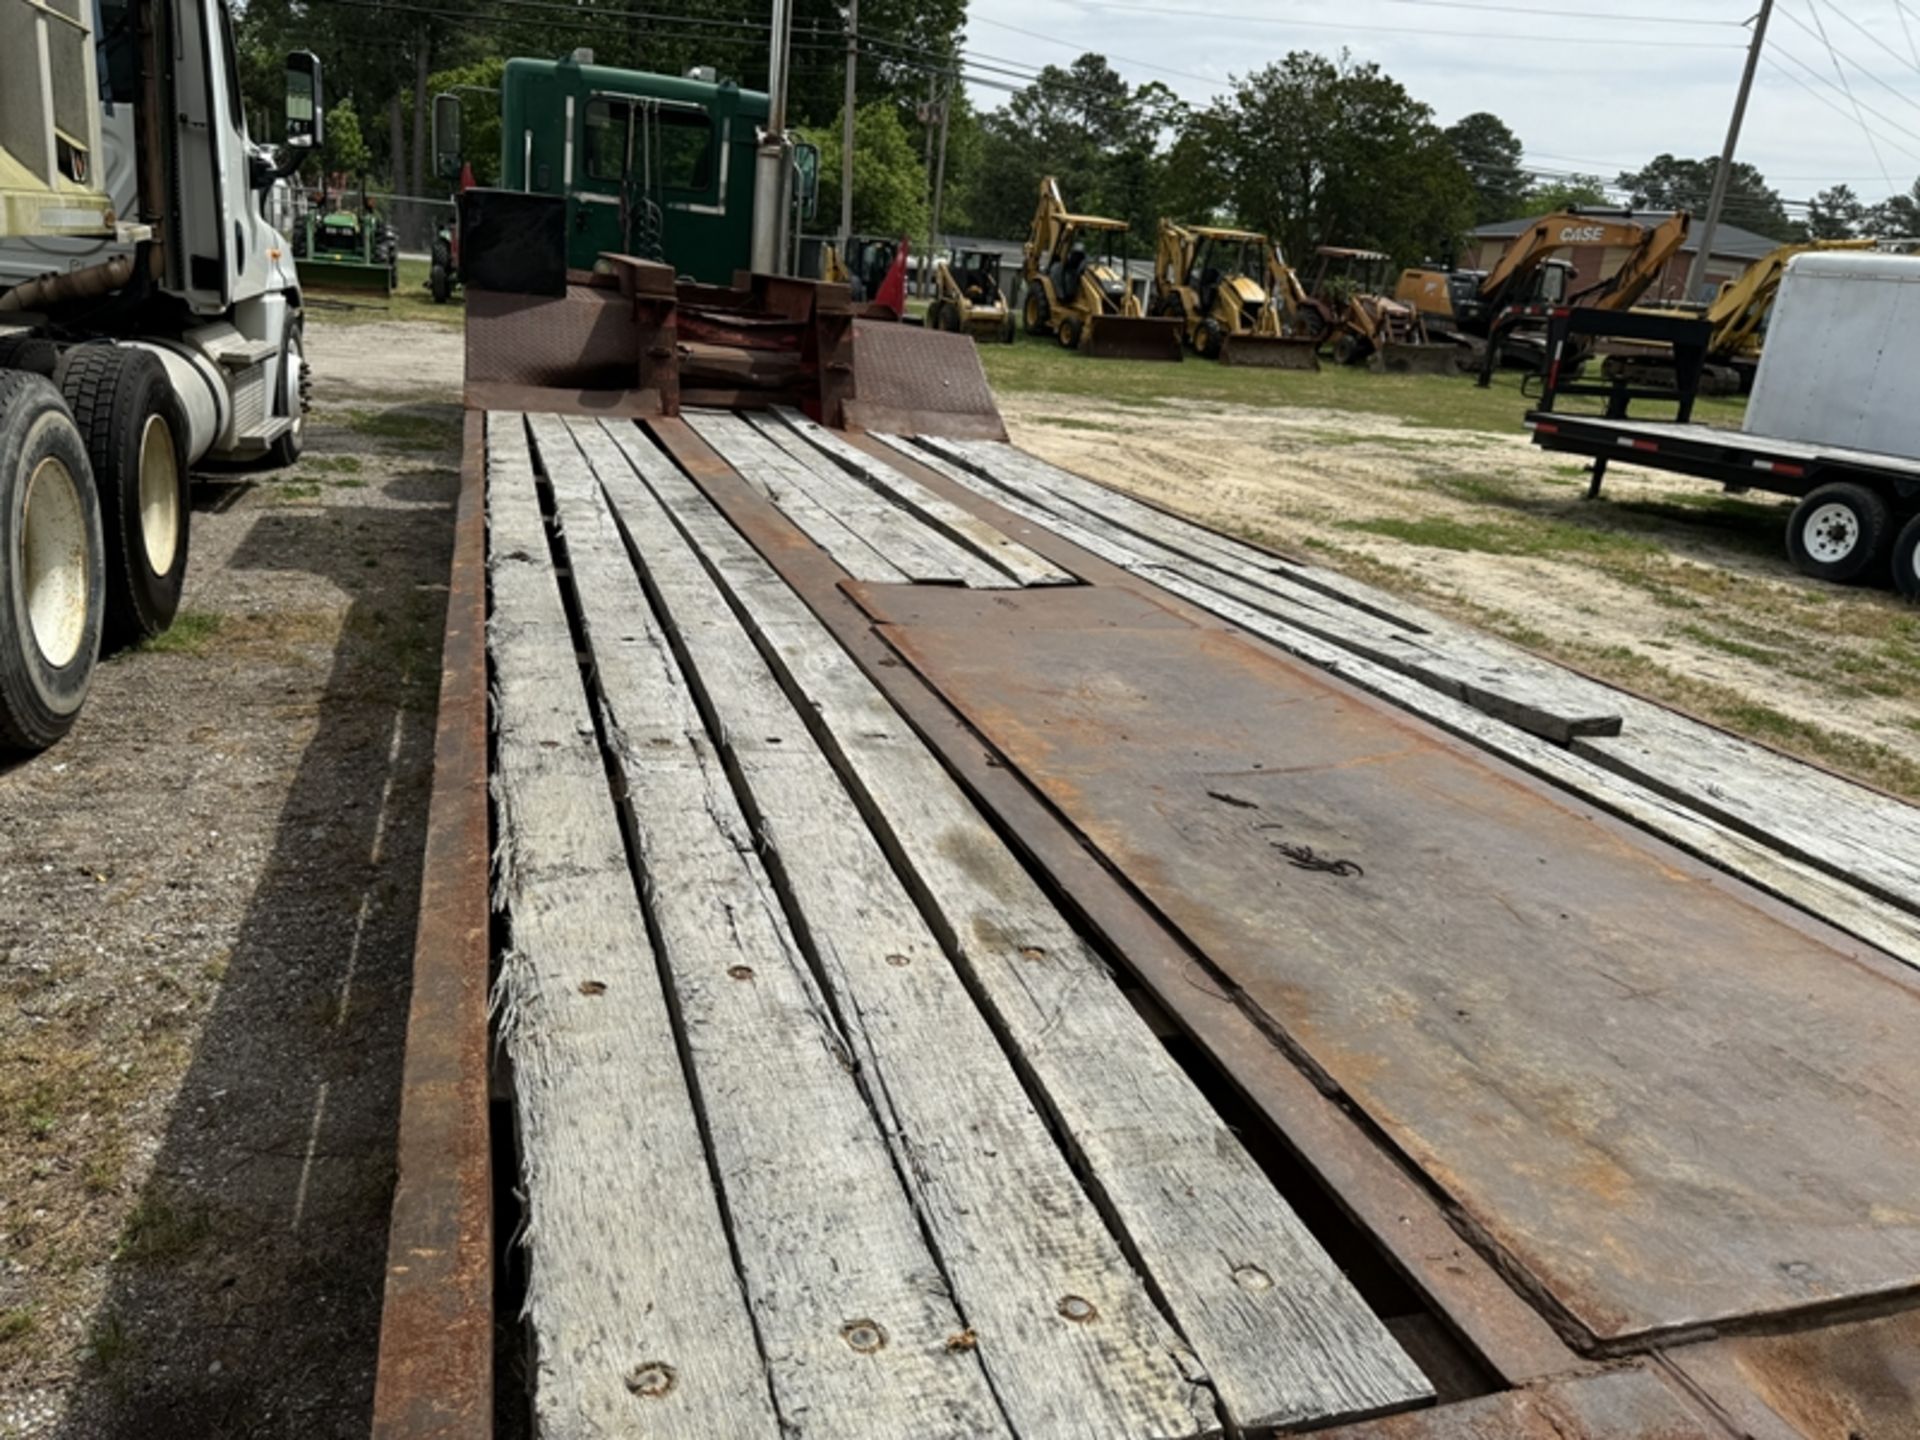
x=967, y=296
x=1232, y=294
x=1369, y=326
x=1738, y=316
x=1078, y=288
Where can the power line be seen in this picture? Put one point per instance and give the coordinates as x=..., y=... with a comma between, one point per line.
x=1813, y=8
x=1899, y=95
x=1892, y=144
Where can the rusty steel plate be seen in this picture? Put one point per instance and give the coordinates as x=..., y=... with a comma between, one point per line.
x=1661, y=1103
x=1616, y=1405
x=916, y=381
x=1860, y=1379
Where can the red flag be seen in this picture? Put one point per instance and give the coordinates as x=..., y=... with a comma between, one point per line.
x=893, y=289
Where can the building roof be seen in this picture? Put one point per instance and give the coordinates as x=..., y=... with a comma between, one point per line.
x=1732, y=241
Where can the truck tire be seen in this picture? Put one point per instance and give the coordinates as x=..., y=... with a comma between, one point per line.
x=1906, y=559
x=294, y=397
x=52, y=580
x=1839, y=532
x=136, y=439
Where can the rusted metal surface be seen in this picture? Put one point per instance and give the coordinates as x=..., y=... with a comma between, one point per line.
x=1615, y=1405
x=436, y=1333
x=1663, y=1107
x=1838, y=1382
x=591, y=338
x=922, y=382
x=1506, y=1334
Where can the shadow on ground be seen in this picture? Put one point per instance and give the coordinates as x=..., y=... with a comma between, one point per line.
x=245, y=1293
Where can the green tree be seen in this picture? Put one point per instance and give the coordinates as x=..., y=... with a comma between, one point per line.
x=345, y=151
x=1567, y=194
x=477, y=87
x=1836, y=214
x=1325, y=151
x=889, y=178
x=1669, y=183
x=1491, y=154
x=1896, y=216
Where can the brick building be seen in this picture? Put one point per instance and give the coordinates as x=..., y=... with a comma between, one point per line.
x=1733, y=250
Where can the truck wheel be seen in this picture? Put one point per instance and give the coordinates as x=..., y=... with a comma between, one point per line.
x=1839, y=532
x=296, y=390
x=52, y=588
x=136, y=438
x=1906, y=559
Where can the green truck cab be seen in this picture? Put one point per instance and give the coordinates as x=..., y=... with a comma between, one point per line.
x=658, y=166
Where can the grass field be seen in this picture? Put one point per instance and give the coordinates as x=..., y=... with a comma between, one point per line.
x=1451, y=402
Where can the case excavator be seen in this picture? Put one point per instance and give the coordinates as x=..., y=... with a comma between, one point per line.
x=1236, y=300
x=1078, y=289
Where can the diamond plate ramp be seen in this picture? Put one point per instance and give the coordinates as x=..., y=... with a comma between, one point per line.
x=915, y=381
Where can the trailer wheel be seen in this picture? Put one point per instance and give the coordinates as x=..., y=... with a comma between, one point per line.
x=52, y=588
x=136, y=438
x=296, y=390
x=1839, y=532
x=1906, y=559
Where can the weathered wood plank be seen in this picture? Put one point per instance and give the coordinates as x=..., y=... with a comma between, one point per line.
x=962, y=526
x=926, y=554
x=1012, y=1227
x=1280, y=1330
x=784, y=481
x=1861, y=836
x=849, y=1302
x=1499, y=679
x=612, y=1158
x=1825, y=896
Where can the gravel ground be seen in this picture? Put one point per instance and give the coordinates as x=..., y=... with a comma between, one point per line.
x=206, y=924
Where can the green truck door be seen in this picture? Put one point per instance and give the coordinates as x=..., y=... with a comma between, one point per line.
x=648, y=173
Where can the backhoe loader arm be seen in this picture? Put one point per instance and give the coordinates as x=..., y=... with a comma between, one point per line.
x=1044, y=234
x=1742, y=307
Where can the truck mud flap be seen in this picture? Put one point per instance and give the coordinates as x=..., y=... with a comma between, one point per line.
x=1113, y=337
x=1394, y=359
x=1271, y=352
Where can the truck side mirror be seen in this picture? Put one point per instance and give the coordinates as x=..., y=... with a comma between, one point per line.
x=806, y=166
x=446, y=136
x=306, y=104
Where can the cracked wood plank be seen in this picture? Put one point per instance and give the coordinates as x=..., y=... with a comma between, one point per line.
x=852, y=1308
x=627, y=1333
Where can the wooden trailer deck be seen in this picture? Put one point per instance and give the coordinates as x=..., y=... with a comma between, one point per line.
x=869, y=811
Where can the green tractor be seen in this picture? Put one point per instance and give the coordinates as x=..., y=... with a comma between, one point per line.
x=347, y=248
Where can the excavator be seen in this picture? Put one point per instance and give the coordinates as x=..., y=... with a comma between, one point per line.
x=1738, y=316
x=1086, y=300
x=1236, y=300
x=1367, y=326
x=1480, y=309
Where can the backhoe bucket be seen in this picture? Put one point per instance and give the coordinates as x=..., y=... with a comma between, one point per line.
x=1115, y=337
x=1397, y=359
x=1271, y=352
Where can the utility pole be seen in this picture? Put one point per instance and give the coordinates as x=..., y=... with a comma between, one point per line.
x=939, y=181
x=846, y=130
x=1697, y=272
x=923, y=274
x=773, y=167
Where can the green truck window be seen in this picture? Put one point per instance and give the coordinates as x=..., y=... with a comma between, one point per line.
x=681, y=147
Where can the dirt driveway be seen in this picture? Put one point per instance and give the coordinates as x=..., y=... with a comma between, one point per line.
x=1666, y=585
x=206, y=922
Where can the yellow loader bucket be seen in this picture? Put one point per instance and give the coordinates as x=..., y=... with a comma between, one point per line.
x=1393, y=359
x=1271, y=352
x=1115, y=337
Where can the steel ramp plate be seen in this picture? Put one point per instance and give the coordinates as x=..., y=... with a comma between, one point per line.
x=915, y=381
x=1664, y=1102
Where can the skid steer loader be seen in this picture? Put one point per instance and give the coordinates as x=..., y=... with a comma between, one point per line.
x=1227, y=288
x=1373, y=328
x=1085, y=297
x=968, y=298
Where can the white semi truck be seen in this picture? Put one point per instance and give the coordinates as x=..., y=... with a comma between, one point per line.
x=149, y=319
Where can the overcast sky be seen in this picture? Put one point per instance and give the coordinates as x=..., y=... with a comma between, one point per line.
x=1583, y=92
